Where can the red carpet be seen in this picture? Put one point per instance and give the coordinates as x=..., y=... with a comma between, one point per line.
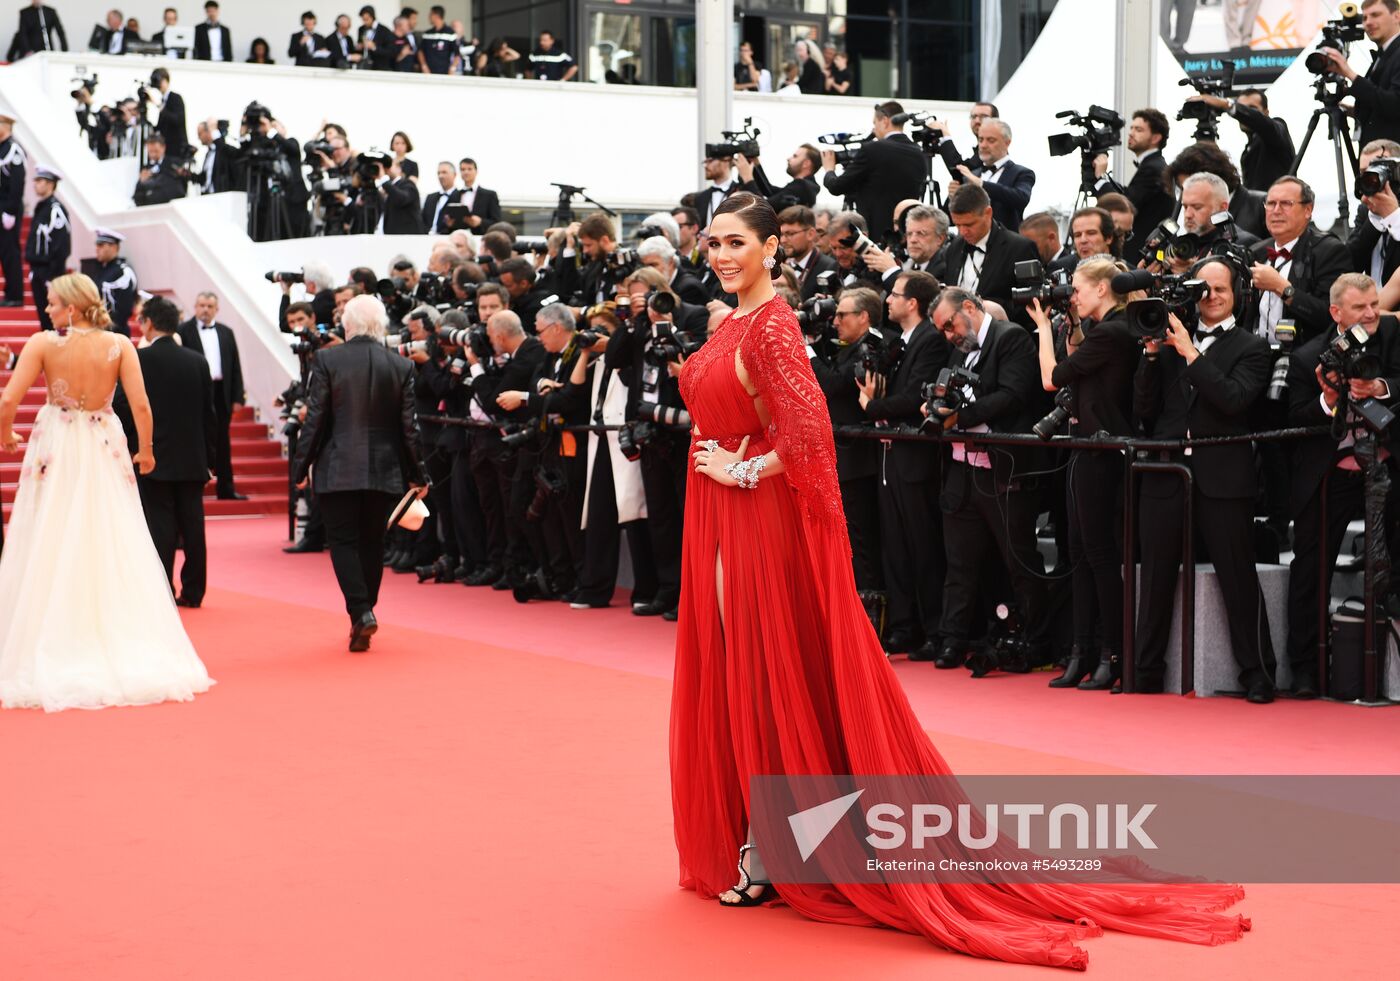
x=484, y=795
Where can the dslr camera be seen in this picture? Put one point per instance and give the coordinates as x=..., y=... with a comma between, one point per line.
x=946, y=393
x=735, y=143
x=1384, y=172
x=1349, y=356
x=1031, y=282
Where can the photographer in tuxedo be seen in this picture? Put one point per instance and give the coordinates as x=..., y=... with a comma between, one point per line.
x=1374, y=242
x=400, y=211
x=986, y=503
x=1152, y=202
x=1294, y=269
x=884, y=171
x=1202, y=384
x=1268, y=150
x=798, y=230
x=925, y=234
x=911, y=532
x=1315, y=401
x=802, y=167
x=203, y=335
x=1008, y=184
x=182, y=404
x=1377, y=93
x=361, y=434
x=982, y=259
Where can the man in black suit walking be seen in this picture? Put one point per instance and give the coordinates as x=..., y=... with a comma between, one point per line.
x=203, y=335
x=1313, y=403
x=1008, y=184
x=986, y=503
x=1377, y=93
x=885, y=171
x=1204, y=384
x=910, y=529
x=983, y=257
x=182, y=403
x=361, y=432
x=211, y=39
x=39, y=30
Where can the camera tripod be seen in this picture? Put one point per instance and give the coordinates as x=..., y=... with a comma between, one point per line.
x=1329, y=105
x=267, y=207
x=563, y=215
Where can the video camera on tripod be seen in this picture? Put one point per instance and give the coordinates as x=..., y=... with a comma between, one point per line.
x=1103, y=130
x=1219, y=84
x=1337, y=35
x=930, y=138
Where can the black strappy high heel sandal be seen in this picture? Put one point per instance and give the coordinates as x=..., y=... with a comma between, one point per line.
x=745, y=883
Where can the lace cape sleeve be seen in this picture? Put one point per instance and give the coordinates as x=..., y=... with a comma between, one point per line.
x=773, y=355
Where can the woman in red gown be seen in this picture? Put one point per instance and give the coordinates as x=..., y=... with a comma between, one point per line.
x=778, y=670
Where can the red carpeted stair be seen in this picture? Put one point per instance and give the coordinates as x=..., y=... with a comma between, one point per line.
x=258, y=467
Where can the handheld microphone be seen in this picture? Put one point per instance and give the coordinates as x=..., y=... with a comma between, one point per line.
x=1135, y=279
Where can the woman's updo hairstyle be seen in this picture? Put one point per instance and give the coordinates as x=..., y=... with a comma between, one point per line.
x=758, y=217
x=80, y=292
x=1102, y=268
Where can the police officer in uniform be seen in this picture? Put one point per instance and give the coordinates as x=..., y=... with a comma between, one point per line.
x=11, y=213
x=116, y=279
x=50, y=240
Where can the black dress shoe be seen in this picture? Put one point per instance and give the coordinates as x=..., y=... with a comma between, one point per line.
x=928, y=652
x=951, y=657
x=460, y=573
x=187, y=603
x=303, y=546
x=502, y=583
x=672, y=615
x=362, y=630
x=406, y=563
x=1303, y=687
x=11, y=303
x=485, y=576
x=1261, y=693
x=652, y=609
x=232, y=496
x=393, y=558
x=897, y=643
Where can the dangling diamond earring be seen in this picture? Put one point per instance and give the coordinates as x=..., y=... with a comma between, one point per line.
x=769, y=262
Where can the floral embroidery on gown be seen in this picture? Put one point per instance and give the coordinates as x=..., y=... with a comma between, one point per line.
x=86, y=615
x=795, y=681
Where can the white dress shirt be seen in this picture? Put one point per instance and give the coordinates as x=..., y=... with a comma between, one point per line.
x=1271, y=305
x=216, y=43
x=976, y=458
x=209, y=340
x=971, y=272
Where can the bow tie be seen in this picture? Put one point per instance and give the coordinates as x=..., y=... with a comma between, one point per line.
x=1276, y=254
x=973, y=249
x=206, y=326
x=1202, y=334
x=989, y=171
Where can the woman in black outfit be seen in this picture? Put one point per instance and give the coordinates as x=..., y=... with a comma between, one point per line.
x=812, y=80
x=1099, y=370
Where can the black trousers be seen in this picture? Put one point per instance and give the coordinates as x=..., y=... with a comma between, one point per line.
x=560, y=534
x=911, y=534
x=860, y=499
x=978, y=518
x=1095, y=548
x=524, y=540
x=175, y=515
x=492, y=501
x=11, y=262
x=436, y=537
x=1311, y=534
x=602, y=540
x=223, y=448
x=467, y=526
x=1226, y=529
x=664, y=468
x=355, y=532
x=40, y=286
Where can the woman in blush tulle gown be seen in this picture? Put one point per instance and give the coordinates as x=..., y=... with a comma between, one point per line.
x=87, y=619
x=778, y=670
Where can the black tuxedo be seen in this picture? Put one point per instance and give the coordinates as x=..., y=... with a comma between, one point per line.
x=817, y=263
x=438, y=225
x=1010, y=192
x=171, y=125
x=799, y=190
x=1314, y=459
x=992, y=510
x=39, y=30
x=402, y=213
x=361, y=432
x=707, y=200
x=1377, y=95
x=911, y=532
x=1148, y=192
x=172, y=495
x=857, y=463
x=101, y=40
x=484, y=205
x=1212, y=396
x=381, y=59
x=203, y=50
x=1004, y=248
x=303, y=58
x=1361, y=243
x=1269, y=151
x=1247, y=208
x=689, y=289
x=882, y=174
x=221, y=172
x=1317, y=260
x=341, y=48
x=228, y=391
x=160, y=185
x=159, y=38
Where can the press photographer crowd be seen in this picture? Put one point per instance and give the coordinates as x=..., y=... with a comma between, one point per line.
x=1189, y=320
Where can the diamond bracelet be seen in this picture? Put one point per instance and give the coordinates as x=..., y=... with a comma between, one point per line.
x=745, y=473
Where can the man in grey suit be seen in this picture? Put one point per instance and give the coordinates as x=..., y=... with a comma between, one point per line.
x=361, y=432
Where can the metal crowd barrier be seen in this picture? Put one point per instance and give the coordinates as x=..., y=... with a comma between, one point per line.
x=1132, y=449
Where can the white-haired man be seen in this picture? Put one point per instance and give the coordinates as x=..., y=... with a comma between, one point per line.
x=361, y=432
x=657, y=253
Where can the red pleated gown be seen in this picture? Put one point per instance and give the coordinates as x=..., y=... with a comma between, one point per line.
x=795, y=680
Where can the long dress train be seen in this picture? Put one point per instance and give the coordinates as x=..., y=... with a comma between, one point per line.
x=795, y=681
x=87, y=619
